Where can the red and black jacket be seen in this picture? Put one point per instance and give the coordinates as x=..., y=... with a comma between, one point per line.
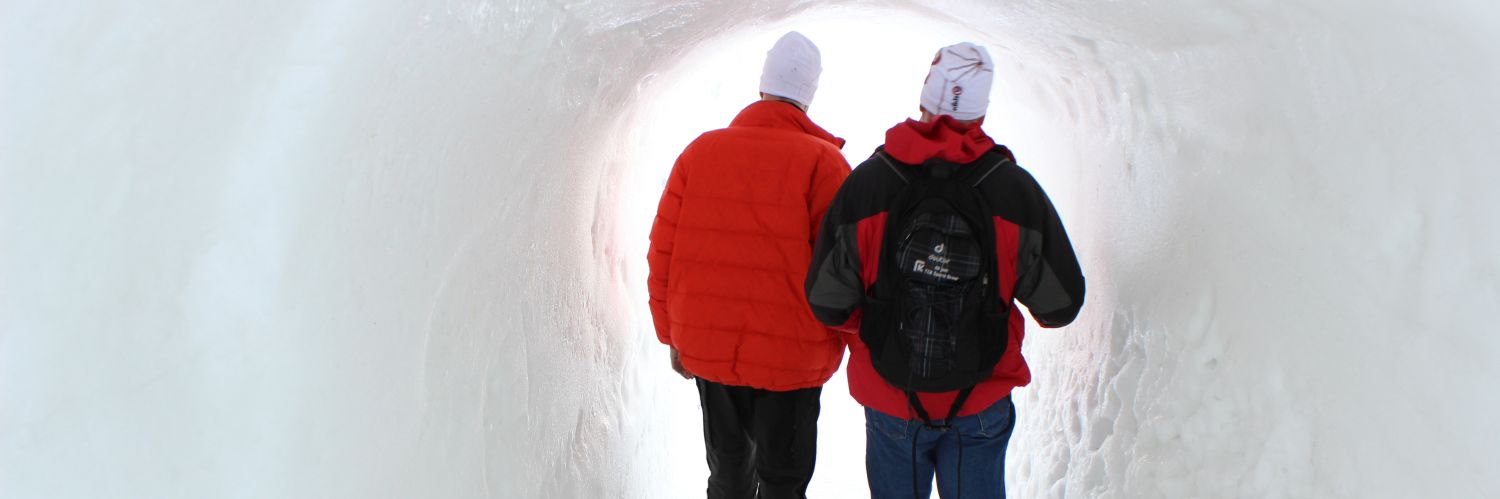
x=1034, y=256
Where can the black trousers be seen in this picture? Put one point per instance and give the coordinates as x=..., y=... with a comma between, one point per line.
x=761, y=444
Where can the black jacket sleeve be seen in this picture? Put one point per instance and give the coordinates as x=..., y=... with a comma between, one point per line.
x=833, y=286
x=1050, y=283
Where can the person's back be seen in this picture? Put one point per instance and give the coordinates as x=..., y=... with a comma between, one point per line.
x=748, y=201
x=730, y=246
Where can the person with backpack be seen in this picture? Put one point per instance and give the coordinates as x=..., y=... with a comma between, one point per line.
x=922, y=254
x=731, y=243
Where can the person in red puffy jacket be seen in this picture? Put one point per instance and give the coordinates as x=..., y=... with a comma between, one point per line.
x=730, y=245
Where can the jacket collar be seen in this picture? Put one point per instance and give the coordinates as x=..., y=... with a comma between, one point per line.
x=914, y=142
x=783, y=116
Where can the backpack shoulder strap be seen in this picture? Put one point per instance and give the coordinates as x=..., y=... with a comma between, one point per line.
x=990, y=170
x=887, y=159
x=897, y=170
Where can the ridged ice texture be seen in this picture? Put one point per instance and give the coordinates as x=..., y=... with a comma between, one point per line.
x=376, y=249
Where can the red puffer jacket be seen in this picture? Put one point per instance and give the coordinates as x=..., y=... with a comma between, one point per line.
x=730, y=248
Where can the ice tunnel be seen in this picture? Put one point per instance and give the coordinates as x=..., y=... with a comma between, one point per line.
x=396, y=249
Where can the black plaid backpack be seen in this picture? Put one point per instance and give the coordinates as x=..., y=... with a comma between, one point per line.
x=934, y=322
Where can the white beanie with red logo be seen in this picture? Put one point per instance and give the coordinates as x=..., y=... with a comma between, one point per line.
x=792, y=69
x=958, y=84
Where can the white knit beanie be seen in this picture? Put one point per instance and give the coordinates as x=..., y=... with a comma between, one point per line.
x=958, y=84
x=792, y=69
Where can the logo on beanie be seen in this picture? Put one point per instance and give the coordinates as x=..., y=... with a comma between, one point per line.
x=957, y=91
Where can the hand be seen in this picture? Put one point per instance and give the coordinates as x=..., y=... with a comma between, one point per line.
x=677, y=365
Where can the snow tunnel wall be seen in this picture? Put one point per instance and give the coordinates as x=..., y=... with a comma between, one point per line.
x=369, y=249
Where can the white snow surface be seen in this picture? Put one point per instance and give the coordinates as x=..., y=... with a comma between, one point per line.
x=396, y=249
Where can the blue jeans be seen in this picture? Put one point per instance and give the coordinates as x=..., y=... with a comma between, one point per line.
x=888, y=454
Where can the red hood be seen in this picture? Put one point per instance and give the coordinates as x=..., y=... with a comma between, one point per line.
x=914, y=142
x=783, y=115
